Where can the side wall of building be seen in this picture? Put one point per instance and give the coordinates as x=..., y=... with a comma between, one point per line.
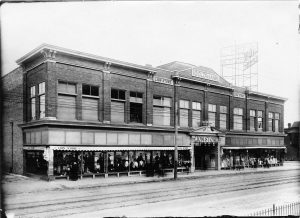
x=13, y=116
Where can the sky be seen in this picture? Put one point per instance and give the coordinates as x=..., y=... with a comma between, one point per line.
x=164, y=31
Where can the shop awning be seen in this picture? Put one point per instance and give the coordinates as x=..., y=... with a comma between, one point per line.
x=39, y=148
x=86, y=148
x=254, y=147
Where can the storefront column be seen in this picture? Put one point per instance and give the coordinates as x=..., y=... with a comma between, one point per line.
x=106, y=162
x=218, y=165
x=192, y=155
x=50, y=154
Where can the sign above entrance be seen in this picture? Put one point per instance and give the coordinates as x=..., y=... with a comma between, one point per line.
x=205, y=139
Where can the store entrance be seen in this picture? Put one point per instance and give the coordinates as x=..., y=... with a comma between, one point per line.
x=205, y=157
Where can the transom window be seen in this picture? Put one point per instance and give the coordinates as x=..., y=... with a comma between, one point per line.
x=161, y=101
x=66, y=87
x=90, y=90
x=42, y=88
x=118, y=94
x=212, y=107
x=136, y=97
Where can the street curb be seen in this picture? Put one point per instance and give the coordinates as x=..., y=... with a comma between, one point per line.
x=178, y=178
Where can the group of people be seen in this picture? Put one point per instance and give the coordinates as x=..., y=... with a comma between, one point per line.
x=241, y=162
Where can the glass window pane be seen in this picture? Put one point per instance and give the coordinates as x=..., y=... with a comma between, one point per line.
x=223, y=121
x=223, y=109
x=167, y=102
x=184, y=117
x=86, y=90
x=33, y=114
x=277, y=116
x=196, y=118
x=161, y=116
x=42, y=88
x=270, y=115
x=259, y=113
x=136, y=112
x=42, y=106
x=276, y=125
x=238, y=122
x=252, y=123
x=94, y=90
x=32, y=91
x=212, y=118
x=114, y=94
x=122, y=94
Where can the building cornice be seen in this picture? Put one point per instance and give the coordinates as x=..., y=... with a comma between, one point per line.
x=52, y=50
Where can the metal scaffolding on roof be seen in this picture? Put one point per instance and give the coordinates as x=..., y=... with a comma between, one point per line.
x=239, y=65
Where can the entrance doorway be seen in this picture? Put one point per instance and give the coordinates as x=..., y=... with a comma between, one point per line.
x=205, y=157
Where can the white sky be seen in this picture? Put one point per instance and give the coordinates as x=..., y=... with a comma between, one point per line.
x=160, y=32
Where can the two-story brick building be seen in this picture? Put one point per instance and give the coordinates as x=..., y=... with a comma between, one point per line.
x=113, y=116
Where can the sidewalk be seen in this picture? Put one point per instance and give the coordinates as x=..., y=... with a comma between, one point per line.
x=17, y=184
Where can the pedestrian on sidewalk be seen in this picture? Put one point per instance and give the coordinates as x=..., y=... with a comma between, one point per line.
x=74, y=172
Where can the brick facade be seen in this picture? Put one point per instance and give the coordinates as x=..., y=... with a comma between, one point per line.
x=62, y=65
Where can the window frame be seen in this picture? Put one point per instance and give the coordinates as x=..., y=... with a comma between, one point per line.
x=90, y=91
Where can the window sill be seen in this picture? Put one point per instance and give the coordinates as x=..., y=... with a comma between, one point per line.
x=90, y=96
x=64, y=93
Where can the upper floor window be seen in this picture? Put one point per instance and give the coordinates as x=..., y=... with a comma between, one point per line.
x=136, y=107
x=184, y=113
x=66, y=102
x=32, y=103
x=196, y=114
x=65, y=87
x=117, y=105
x=252, y=119
x=238, y=118
x=118, y=94
x=223, y=117
x=90, y=102
x=270, y=121
x=273, y=122
x=259, y=121
x=276, y=122
x=161, y=110
x=136, y=97
x=212, y=108
x=42, y=102
x=90, y=90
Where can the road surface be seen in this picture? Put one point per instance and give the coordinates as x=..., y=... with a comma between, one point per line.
x=239, y=194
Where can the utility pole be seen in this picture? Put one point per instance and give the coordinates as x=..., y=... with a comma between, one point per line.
x=176, y=84
x=12, y=146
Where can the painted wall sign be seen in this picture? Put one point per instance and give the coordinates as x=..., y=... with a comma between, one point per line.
x=206, y=139
x=197, y=72
x=239, y=95
x=33, y=148
x=163, y=80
